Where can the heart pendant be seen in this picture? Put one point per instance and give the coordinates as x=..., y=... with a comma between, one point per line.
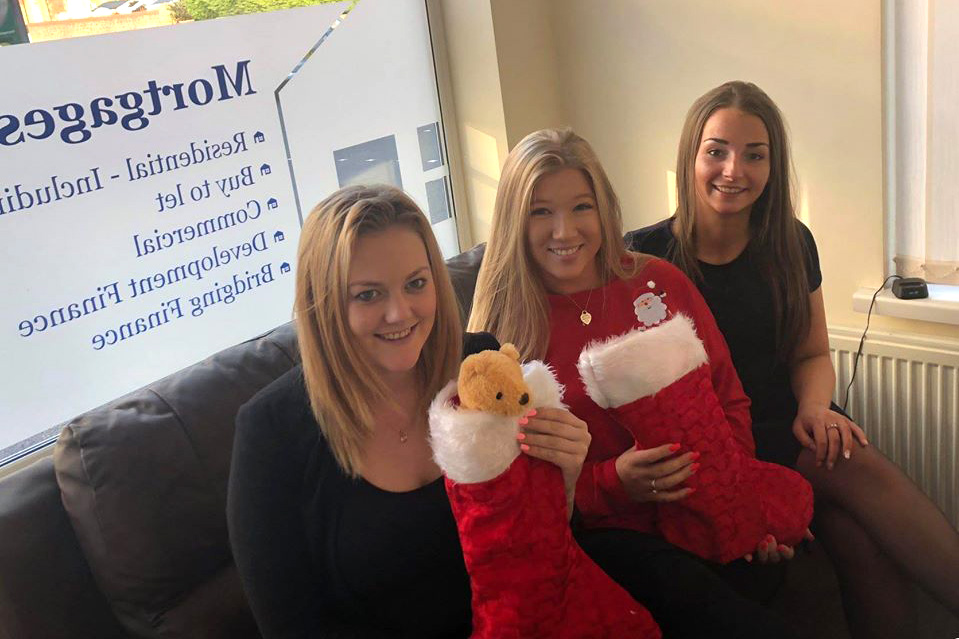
x=585, y=318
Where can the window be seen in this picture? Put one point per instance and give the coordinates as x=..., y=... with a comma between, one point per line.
x=154, y=184
x=922, y=138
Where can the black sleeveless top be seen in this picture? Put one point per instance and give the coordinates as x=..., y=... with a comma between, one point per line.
x=742, y=304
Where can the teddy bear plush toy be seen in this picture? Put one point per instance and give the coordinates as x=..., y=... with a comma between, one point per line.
x=656, y=382
x=528, y=576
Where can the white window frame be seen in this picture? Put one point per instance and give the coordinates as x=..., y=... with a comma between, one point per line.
x=942, y=306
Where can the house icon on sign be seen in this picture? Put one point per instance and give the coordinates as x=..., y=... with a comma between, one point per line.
x=285, y=267
x=258, y=136
x=265, y=169
x=271, y=203
x=278, y=236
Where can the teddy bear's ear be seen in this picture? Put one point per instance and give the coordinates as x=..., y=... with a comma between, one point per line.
x=510, y=350
x=467, y=369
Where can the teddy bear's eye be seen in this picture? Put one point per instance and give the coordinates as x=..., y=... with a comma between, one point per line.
x=499, y=395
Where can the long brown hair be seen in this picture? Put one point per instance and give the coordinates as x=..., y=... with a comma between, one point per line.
x=510, y=299
x=343, y=386
x=775, y=245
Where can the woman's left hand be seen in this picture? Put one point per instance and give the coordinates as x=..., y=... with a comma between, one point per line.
x=556, y=435
x=827, y=433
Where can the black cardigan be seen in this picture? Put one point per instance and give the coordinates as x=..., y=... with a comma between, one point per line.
x=324, y=555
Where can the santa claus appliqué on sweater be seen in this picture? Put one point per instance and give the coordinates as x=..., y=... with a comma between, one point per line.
x=655, y=380
x=529, y=578
x=650, y=308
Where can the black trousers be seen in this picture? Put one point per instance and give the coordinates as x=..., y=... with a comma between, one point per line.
x=686, y=595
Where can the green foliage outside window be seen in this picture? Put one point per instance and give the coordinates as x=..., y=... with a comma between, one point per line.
x=206, y=9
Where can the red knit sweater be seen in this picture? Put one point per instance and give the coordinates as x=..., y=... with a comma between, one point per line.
x=600, y=495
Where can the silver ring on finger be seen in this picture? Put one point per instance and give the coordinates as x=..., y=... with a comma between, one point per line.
x=831, y=426
x=653, y=486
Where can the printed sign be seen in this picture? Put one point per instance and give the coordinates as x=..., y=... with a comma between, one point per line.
x=152, y=185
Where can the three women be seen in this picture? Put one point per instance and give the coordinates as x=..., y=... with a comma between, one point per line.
x=337, y=517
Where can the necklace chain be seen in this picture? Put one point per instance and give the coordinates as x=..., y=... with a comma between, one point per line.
x=584, y=316
x=403, y=433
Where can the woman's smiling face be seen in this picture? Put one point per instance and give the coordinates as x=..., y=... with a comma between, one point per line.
x=732, y=164
x=563, y=233
x=391, y=307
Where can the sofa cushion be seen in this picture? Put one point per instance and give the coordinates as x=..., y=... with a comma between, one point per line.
x=46, y=589
x=463, y=270
x=144, y=478
x=212, y=610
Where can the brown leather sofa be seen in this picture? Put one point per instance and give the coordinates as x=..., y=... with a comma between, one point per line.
x=122, y=533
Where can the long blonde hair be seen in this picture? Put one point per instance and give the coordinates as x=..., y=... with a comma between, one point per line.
x=342, y=385
x=510, y=299
x=775, y=244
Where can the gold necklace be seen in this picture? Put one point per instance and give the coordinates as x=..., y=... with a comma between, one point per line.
x=404, y=433
x=584, y=315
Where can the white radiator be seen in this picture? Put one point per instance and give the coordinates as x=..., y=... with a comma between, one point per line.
x=906, y=397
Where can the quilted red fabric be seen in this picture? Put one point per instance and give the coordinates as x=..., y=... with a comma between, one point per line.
x=738, y=499
x=529, y=578
x=600, y=495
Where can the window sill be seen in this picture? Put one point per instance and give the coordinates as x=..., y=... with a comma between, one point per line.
x=941, y=306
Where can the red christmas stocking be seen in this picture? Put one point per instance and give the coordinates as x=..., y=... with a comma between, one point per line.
x=657, y=384
x=529, y=578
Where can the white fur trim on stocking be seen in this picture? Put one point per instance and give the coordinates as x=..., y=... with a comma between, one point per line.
x=544, y=390
x=641, y=362
x=468, y=445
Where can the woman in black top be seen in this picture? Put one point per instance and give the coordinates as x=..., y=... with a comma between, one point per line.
x=338, y=516
x=736, y=236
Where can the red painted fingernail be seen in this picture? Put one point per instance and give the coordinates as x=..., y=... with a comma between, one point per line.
x=531, y=412
x=524, y=447
x=674, y=447
x=783, y=548
x=697, y=455
x=523, y=421
x=696, y=467
x=769, y=539
x=521, y=436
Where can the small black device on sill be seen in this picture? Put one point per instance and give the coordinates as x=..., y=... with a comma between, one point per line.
x=910, y=288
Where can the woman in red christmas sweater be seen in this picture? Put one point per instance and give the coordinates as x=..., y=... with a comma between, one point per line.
x=555, y=279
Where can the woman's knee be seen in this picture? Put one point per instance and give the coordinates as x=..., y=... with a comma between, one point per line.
x=844, y=538
x=867, y=472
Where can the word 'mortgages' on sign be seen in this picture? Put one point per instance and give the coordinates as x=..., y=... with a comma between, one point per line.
x=129, y=109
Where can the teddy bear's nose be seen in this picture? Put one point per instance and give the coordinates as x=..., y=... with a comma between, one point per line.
x=524, y=399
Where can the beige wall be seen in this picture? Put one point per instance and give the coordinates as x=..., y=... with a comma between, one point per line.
x=623, y=73
x=503, y=83
x=528, y=69
x=477, y=105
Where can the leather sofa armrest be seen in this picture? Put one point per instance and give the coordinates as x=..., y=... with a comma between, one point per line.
x=46, y=588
